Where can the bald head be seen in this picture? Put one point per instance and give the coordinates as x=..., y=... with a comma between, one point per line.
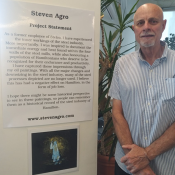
x=149, y=8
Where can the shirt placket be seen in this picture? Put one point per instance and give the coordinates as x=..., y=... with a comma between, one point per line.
x=148, y=107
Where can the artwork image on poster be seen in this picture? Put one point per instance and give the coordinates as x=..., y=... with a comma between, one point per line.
x=54, y=152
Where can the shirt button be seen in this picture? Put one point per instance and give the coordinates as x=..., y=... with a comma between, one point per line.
x=150, y=86
x=146, y=121
x=148, y=104
x=145, y=138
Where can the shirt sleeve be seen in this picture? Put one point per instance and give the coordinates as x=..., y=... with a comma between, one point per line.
x=114, y=91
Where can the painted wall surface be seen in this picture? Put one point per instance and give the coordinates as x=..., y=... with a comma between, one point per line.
x=14, y=144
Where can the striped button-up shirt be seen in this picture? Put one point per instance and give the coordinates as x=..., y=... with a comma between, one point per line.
x=147, y=93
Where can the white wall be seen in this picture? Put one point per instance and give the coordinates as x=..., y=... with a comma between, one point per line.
x=170, y=17
x=13, y=141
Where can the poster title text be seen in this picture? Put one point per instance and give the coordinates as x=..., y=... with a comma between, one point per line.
x=40, y=14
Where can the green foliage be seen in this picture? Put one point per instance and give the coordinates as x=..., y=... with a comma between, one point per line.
x=107, y=59
x=112, y=53
x=105, y=4
x=171, y=41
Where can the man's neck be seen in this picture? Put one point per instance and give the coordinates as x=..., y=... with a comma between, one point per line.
x=150, y=54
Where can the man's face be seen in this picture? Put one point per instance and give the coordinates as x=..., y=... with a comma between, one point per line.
x=148, y=25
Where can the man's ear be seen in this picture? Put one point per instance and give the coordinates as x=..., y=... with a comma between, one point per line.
x=133, y=27
x=164, y=24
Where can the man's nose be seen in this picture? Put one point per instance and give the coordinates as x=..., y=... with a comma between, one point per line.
x=146, y=26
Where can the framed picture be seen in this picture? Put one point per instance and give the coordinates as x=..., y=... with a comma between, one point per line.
x=53, y=150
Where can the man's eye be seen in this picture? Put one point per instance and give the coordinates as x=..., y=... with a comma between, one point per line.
x=140, y=23
x=153, y=21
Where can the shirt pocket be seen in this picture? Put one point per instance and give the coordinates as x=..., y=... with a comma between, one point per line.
x=168, y=89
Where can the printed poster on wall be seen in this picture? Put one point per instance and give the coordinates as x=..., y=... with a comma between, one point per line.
x=47, y=58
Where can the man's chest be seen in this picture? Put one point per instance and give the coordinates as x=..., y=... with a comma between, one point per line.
x=142, y=82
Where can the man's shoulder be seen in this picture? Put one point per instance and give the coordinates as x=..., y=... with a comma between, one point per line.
x=171, y=55
x=171, y=52
x=133, y=56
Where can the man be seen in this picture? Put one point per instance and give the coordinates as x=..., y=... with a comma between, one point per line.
x=143, y=92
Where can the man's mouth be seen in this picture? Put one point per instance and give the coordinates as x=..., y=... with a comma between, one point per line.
x=147, y=35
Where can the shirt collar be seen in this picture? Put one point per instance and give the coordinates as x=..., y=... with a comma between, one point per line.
x=164, y=55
